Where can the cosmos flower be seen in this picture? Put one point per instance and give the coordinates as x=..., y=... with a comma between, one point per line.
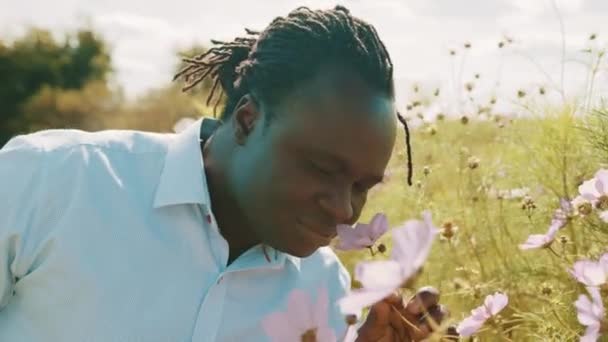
x=590, y=313
x=595, y=191
x=591, y=273
x=362, y=235
x=535, y=241
x=492, y=305
x=411, y=245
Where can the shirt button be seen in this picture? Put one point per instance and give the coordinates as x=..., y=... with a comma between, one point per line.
x=219, y=280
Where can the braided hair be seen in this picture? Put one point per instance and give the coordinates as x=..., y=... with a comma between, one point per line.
x=270, y=64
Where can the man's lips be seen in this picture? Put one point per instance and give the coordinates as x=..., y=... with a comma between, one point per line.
x=327, y=232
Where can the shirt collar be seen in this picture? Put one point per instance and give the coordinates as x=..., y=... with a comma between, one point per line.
x=183, y=180
x=183, y=177
x=280, y=257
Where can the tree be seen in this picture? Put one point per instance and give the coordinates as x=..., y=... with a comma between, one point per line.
x=38, y=61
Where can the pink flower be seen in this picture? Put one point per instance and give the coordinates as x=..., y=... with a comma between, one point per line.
x=543, y=240
x=590, y=313
x=593, y=189
x=492, y=305
x=591, y=273
x=411, y=245
x=363, y=235
x=303, y=320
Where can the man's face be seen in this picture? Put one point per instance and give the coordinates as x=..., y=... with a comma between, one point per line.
x=310, y=169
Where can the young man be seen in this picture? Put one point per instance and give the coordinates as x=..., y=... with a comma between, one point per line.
x=133, y=236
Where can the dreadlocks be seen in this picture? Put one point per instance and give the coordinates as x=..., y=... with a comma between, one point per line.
x=270, y=64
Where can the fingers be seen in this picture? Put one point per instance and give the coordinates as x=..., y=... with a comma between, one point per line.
x=434, y=316
x=399, y=325
x=422, y=301
x=417, y=318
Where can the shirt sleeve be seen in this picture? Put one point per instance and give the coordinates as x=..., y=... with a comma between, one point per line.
x=21, y=182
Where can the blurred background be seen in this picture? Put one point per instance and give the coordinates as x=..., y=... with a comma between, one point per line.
x=109, y=64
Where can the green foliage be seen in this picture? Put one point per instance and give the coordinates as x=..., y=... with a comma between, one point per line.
x=50, y=83
x=38, y=60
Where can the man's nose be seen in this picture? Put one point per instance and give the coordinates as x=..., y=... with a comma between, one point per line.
x=338, y=204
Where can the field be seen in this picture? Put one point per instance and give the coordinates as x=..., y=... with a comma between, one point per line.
x=498, y=181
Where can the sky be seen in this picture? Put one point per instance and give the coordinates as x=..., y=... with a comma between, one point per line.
x=145, y=35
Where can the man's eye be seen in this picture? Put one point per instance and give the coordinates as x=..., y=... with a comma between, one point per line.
x=322, y=170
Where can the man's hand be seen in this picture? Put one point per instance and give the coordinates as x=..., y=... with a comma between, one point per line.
x=393, y=319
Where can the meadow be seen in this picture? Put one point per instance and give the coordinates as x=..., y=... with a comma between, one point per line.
x=489, y=184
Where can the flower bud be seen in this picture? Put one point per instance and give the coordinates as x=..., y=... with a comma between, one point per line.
x=473, y=162
x=602, y=203
x=351, y=319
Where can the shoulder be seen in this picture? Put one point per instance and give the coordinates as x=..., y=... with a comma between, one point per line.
x=62, y=140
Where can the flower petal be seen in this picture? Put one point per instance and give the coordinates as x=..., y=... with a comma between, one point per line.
x=469, y=326
x=378, y=274
x=598, y=305
x=356, y=300
x=555, y=226
x=534, y=241
x=378, y=226
x=351, y=334
x=604, y=262
x=588, y=190
x=589, y=272
x=350, y=238
x=592, y=333
x=412, y=243
x=584, y=308
x=601, y=184
x=496, y=302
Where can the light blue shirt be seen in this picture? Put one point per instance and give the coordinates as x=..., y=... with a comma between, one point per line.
x=108, y=236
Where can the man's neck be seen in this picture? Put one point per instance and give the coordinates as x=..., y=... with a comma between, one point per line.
x=230, y=221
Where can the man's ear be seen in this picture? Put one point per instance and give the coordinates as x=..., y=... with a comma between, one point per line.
x=246, y=115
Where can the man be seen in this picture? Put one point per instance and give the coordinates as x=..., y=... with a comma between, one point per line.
x=133, y=236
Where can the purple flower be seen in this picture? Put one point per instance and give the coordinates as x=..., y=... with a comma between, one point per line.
x=591, y=273
x=590, y=313
x=303, y=320
x=363, y=235
x=411, y=246
x=492, y=305
x=543, y=240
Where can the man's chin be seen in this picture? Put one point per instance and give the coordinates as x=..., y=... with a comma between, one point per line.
x=300, y=250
